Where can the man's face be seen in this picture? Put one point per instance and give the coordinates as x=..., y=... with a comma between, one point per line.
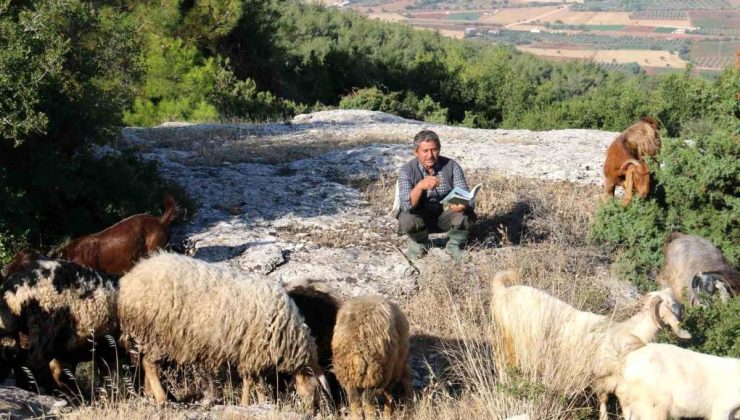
x=427, y=153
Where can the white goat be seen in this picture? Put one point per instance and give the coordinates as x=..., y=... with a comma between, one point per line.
x=535, y=326
x=661, y=380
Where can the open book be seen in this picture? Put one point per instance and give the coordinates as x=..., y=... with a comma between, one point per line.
x=460, y=196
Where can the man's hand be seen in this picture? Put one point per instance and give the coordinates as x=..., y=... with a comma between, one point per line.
x=428, y=183
x=457, y=208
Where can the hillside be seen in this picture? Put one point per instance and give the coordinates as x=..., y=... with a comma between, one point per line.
x=307, y=199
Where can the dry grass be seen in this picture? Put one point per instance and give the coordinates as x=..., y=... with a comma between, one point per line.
x=535, y=227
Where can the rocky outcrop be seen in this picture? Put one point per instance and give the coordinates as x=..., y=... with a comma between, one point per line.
x=283, y=198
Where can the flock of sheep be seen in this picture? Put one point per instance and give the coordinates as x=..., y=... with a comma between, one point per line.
x=162, y=306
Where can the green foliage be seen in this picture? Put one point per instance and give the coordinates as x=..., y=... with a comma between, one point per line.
x=408, y=105
x=697, y=192
x=373, y=99
x=715, y=328
x=67, y=70
x=638, y=232
x=178, y=81
x=240, y=99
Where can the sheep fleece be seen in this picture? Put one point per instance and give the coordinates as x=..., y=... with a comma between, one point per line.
x=61, y=304
x=370, y=343
x=192, y=311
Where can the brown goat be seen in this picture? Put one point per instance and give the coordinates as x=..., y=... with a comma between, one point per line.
x=117, y=248
x=695, y=264
x=625, y=165
x=20, y=260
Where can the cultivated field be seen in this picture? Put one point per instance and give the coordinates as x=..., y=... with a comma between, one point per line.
x=667, y=25
x=647, y=58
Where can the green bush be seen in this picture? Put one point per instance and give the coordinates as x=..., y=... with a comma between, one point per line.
x=68, y=68
x=697, y=192
x=715, y=328
x=407, y=106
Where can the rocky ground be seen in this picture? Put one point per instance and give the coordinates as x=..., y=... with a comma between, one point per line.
x=288, y=199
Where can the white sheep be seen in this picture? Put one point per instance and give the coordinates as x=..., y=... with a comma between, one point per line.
x=661, y=380
x=189, y=311
x=536, y=327
x=57, y=312
x=370, y=347
x=693, y=263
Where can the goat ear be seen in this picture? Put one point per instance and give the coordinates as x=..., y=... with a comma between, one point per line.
x=696, y=281
x=625, y=166
x=654, y=305
x=670, y=318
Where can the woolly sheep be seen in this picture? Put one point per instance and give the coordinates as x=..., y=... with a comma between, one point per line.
x=661, y=380
x=694, y=263
x=188, y=311
x=370, y=347
x=585, y=346
x=319, y=309
x=52, y=309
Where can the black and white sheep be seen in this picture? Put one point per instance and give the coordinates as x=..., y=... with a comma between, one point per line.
x=190, y=311
x=57, y=313
x=370, y=347
x=694, y=264
x=587, y=348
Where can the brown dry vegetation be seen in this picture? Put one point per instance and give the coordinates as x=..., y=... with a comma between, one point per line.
x=538, y=228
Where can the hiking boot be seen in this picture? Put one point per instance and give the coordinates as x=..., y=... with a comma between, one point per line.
x=456, y=244
x=418, y=244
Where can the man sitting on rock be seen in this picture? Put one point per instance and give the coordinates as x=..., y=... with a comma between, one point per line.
x=422, y=183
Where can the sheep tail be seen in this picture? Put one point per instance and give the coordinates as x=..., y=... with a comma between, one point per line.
x=502, y=279
x=171, y=211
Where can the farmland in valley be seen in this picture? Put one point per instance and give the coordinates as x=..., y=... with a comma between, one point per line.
x=705, y=33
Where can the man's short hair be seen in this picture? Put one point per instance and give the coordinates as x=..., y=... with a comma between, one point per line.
x=426, y=135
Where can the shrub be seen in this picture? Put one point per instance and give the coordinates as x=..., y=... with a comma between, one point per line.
x=374, y=99
x=697, y=191
x=714, y=329
x=68, y=68
x=406, y=105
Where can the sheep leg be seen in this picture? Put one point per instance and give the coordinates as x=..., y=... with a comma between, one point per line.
x=368, y=404
x=306, y=389
x=355, y=403
x=387, y=404
x=65, y=381
x=253, y=383
x=151, y=372
x=407, y=385
x=246, y=389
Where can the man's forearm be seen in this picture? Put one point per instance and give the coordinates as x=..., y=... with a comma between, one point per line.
x=415, y=196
